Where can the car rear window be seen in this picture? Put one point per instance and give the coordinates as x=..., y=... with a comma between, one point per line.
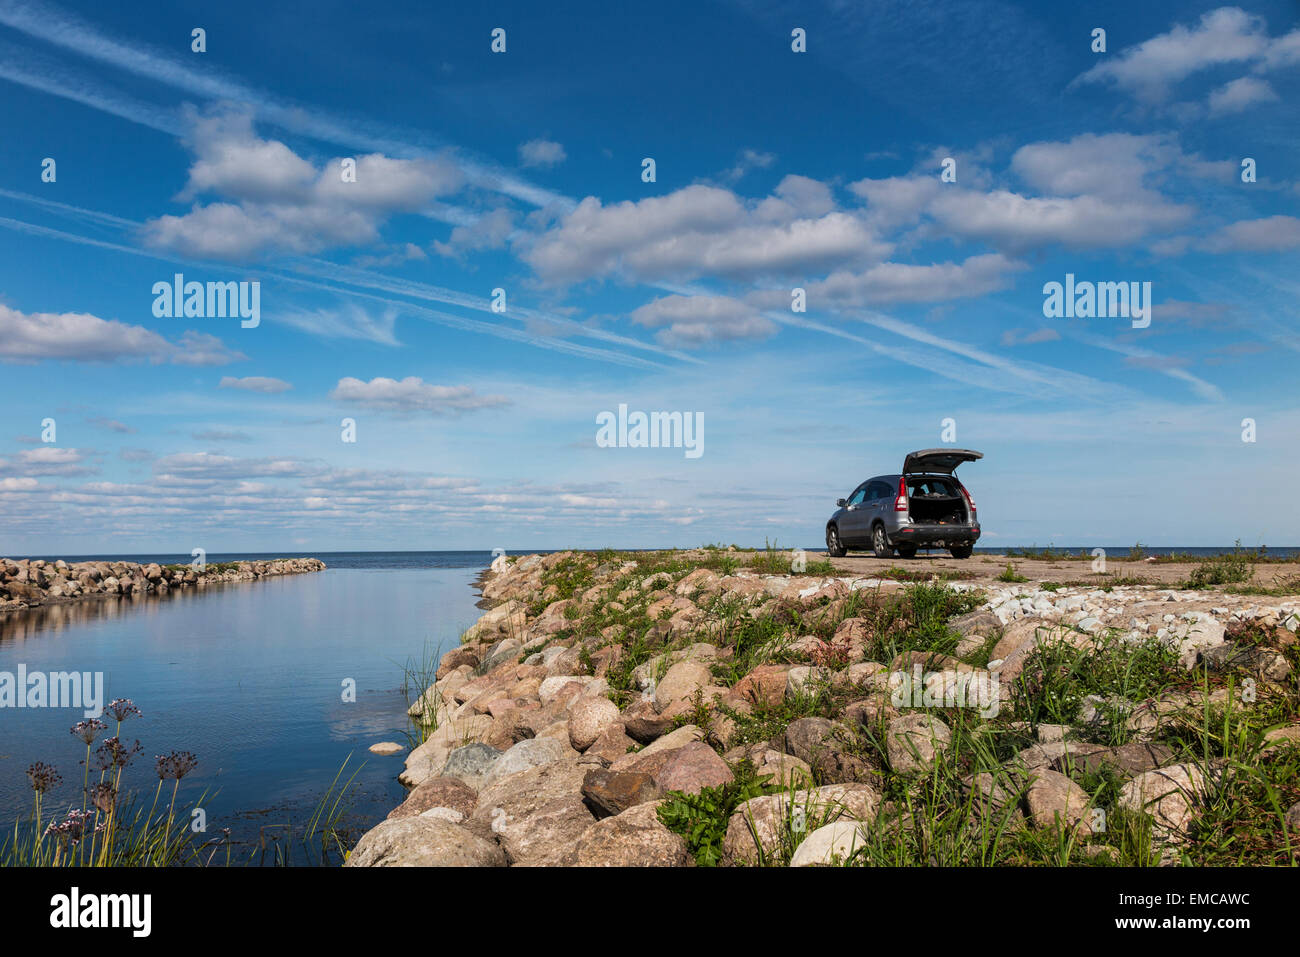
x=931, y=488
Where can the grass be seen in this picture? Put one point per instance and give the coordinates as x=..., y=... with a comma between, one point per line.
x=1009, y=574
x=108, y=826
x=418, y=677
x=1232, y=569
x=702, y=818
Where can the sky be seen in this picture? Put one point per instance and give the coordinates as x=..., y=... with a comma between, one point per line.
x=462, y=261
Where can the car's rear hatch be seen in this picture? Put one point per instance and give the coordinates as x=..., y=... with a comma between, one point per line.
x=935, y=501
x=942, y=461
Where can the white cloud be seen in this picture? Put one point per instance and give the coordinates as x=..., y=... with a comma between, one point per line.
x=1225, y=35
x=1018, y=222
x=272, y=200
x=749, y=159
x=489, y=231
x=897, y=200
x=255, y=383
x=698, y=230
x=413, y=394
x=541, y=152
x=796, y=196
x=701, y=320
x=1239, y=94
x=893, y=282
x=1270, y=234
x=82, y=337
x=47, y=460
x=348, y=321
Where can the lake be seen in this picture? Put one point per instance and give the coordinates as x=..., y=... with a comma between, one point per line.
x=250, y=677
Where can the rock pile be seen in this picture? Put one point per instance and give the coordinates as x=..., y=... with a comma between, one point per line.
x=27, y=583
x=593, y=690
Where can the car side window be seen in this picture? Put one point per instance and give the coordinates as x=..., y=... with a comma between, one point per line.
x=877, y=490
x=857, y=497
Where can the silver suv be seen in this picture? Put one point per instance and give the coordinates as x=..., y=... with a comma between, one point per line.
x=923, y=507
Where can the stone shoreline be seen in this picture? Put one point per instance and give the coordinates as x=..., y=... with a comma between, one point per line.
x=31, y=583
x=596, y=688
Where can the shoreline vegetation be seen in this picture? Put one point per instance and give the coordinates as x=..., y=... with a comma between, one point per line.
x=714, y=707
x=33, y=583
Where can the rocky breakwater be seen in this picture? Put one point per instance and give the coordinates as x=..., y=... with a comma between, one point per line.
x=689, y=708
x=28, y=583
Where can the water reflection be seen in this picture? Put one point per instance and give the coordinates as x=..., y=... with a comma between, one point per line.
x=56, y=618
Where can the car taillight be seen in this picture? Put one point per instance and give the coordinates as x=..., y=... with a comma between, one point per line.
x=969, y=501
x=900, y=503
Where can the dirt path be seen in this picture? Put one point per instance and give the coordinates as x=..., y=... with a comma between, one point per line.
x=985, y=567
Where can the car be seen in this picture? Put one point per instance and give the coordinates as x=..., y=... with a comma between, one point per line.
x=924, y=506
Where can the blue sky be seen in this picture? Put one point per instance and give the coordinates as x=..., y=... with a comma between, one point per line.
x=522, y=171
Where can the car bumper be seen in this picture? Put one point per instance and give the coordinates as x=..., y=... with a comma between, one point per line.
x=945, y=535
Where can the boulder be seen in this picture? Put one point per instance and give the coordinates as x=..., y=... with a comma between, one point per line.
x=672, y=740
x=471, y=764
x=764, y=687
x=424, y=842
x=635, y=838
x=762, y=828
x=589, y=717
x=613, y=792
x=691, y=769
x=643, y=722
x=1056, y=801
x=454, y=659
x=680, y=682
x=428, y=759
x=612, y=744
x=437, y=792
x=529, y=753
x=829, y=844
x=914, y=741
x=1169, y=795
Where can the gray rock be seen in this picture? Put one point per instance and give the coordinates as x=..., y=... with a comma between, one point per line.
x=528, y=753
x=471, y=764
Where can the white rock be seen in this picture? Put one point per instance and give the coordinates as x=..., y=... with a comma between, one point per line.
x=825, y=845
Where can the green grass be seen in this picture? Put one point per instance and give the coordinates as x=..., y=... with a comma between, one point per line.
x=1231, y=569
x=702, y=818
x=1009, y=574
x=108, y=826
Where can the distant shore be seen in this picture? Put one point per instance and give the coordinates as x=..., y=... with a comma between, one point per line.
x=32, y=583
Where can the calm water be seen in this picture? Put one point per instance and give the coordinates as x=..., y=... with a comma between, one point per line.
x=249, y=677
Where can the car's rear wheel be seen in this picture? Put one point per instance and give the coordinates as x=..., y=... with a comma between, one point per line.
x=834, y=547
x=880, y=544
x=961, y=551
x=907, y=551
